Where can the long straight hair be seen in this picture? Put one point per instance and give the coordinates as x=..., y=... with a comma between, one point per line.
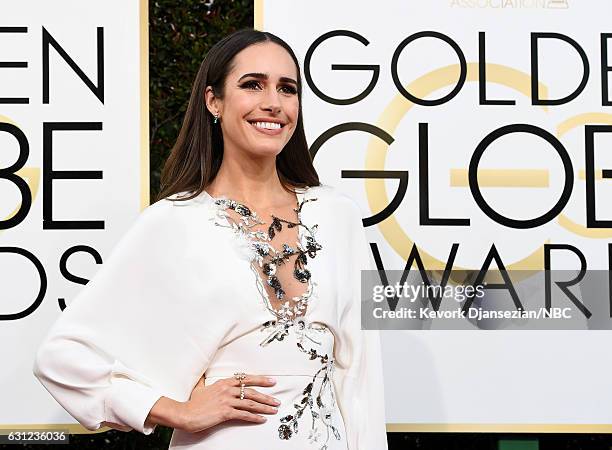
x=197, y=154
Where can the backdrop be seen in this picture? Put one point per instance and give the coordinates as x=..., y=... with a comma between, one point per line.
x=404, y=99
x=381, y=82
x=73, y=169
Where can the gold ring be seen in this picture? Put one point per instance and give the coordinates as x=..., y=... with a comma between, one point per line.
x=240, y=376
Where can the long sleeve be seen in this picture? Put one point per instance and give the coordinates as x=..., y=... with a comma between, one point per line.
x=120, y=344
x=359, y=362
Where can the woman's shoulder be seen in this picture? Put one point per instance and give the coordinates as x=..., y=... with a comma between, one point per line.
x=183, y=198
x=172, y=215
x=336, y=200
x=180, y=201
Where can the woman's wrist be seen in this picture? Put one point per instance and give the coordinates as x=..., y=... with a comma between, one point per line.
x=168, y=412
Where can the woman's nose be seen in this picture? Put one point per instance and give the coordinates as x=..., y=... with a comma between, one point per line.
x=275, y=109
x=271, y=103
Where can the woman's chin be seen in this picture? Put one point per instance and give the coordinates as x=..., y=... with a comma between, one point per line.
x=265, y=151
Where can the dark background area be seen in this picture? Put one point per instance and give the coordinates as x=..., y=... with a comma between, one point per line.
x=180, y=33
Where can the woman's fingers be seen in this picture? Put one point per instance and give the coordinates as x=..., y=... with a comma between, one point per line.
x=254, y=380
x=252, y=394
x=240, y=414
x=253, y=406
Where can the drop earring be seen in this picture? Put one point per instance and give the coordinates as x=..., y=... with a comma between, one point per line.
x=216, y=118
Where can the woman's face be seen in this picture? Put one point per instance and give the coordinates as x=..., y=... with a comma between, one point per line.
x=260, y=96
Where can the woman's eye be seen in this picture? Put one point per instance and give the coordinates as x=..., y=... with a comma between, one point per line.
x=250, y=84
x=255, y=84
x=290, y=89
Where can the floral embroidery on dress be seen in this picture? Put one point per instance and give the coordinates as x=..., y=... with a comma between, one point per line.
x=319, y=391
x=318, y=396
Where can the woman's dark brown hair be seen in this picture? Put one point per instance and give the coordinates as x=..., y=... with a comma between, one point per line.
x=197, y=154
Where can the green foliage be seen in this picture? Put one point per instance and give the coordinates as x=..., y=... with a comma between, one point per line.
x=180, y=34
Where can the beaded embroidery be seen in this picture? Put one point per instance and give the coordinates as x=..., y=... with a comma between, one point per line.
x=255, y=245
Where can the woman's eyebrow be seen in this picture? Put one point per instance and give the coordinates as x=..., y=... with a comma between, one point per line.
x=265, y=76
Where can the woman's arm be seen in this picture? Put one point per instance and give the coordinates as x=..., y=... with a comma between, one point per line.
x=128, y=350
x=359, y=373
x=95, y=388
x=124, y=341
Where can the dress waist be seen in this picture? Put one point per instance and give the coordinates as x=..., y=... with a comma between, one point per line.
x=276, y=351
x=224, y=374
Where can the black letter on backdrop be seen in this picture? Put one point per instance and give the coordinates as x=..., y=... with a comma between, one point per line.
x=386, y=174
x=589, y=159
x=340, y=101
x=43, y=283
x=49, y=175
x=493, y=255
x=535, y=95
x=462, y=64
x=49, y=40
x=424, y=186
x=494, y=215
x=563, y=285
x=64, y=267
x=605, y=69
x=482, y=75
x=9, y=174
x=14, y=65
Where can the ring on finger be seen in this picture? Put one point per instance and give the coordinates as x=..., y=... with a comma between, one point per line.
x=240, y=376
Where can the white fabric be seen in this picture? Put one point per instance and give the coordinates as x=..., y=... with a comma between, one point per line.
x=177, y=299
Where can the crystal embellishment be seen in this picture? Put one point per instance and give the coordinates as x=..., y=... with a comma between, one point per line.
x=254, y=244
x=318, y=398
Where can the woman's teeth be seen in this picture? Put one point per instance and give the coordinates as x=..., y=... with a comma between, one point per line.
x=267, y=125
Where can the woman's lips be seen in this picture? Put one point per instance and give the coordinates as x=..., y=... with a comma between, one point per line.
x=269, y=132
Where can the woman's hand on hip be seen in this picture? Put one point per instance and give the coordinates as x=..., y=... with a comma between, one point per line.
x=218, y=402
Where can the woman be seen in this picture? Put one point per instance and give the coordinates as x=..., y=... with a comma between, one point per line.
x=230, y=311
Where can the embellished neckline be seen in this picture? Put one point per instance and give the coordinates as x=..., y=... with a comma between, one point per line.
x=255, y=246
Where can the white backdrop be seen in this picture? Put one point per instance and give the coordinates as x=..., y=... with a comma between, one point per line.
x=117, y=146
x=435, y=380
x=546, y=381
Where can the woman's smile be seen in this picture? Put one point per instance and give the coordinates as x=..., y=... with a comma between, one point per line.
x=267, y=127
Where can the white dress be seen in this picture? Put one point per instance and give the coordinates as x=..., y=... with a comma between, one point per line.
x=180, y=297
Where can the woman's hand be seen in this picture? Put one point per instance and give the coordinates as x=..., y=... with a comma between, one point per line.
x=213, y=404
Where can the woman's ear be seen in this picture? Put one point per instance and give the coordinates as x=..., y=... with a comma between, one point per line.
x=211, y=101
